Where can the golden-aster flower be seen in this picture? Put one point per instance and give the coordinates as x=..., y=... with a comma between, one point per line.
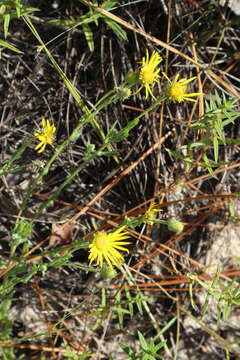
x=148, y=74
x=106, y=246
x=46, y=135
x=177, y=89
x=149, y=216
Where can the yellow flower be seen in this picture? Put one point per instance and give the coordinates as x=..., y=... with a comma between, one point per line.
x=177, y=89
x=148, y=74
x=46, y=135
x=149, y=216
x=106, y=246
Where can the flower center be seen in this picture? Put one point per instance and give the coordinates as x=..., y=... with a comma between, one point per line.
x=48, y=137
x=147, y=74
x=177, y=92
x=101, y=241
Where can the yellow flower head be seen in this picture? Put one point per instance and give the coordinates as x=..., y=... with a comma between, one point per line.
x=149, y=216
x=148, y=74
x=177, y=89
x=106, y=246
x=46, y=135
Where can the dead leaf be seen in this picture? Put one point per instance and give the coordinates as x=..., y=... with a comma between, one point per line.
x=61, y=234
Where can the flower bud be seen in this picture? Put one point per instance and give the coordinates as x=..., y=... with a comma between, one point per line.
x=108, y=272
x=175, y=225
x=132, y=78
x=123, y=92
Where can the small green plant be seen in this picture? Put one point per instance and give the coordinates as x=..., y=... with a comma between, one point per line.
x=69, y=354
x=149, y=350
x=123, y=305
x=12, y=9
x=220, y=112
x=226, y=296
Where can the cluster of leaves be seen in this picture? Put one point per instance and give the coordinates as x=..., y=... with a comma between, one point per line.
x=220, y=112
x=149, y=350
x=9, y=10
x=12, y=9
x=227, y=296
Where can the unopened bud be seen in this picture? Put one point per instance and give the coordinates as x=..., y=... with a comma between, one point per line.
x=108, y=272
x=132, y=78
x=175, y=225
x=123, y=92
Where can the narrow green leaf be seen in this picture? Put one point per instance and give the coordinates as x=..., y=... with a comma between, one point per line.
x=125, y=131
x=165, y=328
x=8, y=166
x=219, y=127
x=109, y=4
x=72, y=89
x=142, y=341
x=6, y=18
x=198, y=143
x=130, y=301
x=21, y=231
x=179, y=156
x=208, y=165
x=9, y=46
x=216, y=148
x=25, y=10
x=88, y=36
x=116, y=28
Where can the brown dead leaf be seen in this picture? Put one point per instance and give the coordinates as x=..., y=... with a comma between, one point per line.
x=61, y=234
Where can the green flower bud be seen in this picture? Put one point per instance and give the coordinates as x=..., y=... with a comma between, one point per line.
x=175, y=225
x=108, y=272
x=123, y=92
x=132, y=78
